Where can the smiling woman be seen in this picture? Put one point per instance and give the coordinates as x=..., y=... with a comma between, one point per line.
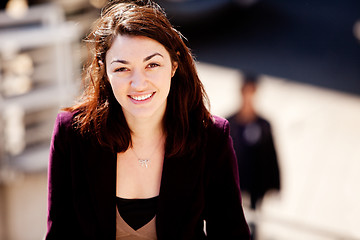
x=140, y=73
x=139, y=156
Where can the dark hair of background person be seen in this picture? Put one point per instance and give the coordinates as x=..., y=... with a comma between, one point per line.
x=250, y=79
x=99, y=113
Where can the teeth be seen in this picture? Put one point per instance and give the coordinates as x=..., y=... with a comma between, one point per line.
x=141, y=98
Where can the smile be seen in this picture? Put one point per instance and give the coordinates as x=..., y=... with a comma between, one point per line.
x=142, y=97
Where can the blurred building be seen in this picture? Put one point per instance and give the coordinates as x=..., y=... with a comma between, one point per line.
x=39, y=73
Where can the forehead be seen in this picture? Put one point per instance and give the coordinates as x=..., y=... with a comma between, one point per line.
x=135, y=46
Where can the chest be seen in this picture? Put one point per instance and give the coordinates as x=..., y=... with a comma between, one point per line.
x=138, y=178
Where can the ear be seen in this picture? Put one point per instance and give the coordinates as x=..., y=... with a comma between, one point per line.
x=174, y=68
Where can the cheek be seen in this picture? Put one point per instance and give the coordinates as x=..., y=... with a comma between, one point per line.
x=117, y=88
x=165, y=78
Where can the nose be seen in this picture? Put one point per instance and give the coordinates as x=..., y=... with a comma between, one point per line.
x=139, y=81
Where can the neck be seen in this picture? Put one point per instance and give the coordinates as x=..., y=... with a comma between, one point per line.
x=147, y=140
x=146, y=131
x=247, y=114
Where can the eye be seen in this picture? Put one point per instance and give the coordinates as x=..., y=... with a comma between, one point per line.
x=121, y=69
x=153, y=65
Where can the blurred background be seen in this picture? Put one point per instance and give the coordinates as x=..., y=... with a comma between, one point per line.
x=307, y=57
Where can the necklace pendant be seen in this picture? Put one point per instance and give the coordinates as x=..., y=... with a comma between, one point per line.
x=144, y=162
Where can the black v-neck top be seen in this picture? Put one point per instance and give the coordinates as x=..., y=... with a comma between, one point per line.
x=137, y=212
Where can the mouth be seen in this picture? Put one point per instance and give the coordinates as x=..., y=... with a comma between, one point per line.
x=142, y=97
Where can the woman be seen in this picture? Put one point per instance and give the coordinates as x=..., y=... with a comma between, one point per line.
x=140, y=157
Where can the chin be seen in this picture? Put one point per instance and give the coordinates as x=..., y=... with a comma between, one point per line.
x=142, y=113
x=145, y=112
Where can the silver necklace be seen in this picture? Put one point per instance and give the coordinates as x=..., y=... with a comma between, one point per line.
x=144, y=162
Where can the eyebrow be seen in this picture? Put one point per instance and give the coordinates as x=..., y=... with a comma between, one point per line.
x=145, y=59
x=152, y=55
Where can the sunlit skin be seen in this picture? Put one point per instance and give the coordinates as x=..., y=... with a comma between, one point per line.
x=139, y=70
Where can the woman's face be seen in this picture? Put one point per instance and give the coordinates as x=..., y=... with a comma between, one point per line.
x=139, y=70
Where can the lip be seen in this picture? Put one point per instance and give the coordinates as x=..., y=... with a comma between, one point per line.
x=141, y=98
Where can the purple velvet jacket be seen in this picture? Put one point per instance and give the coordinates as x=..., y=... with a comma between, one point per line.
x=82, y=189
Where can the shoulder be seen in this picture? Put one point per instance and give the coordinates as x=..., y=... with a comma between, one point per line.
x=233, y=122
x=65, y=118
x=232, y=118
x=263, y=122
x=64, y=124
x=262, y=119
x=219, y=150
x=219, y=122
x=218, y=128
x=64, y=121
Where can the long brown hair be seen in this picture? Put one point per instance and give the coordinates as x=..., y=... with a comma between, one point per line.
x=98, y=112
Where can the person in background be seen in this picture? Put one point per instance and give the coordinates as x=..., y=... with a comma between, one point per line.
x=254, y=147
x=140, y=156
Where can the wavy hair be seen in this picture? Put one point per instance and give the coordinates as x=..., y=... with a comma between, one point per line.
x=99, y=114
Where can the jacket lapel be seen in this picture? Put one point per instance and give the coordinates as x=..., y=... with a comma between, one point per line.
x=180, y=197
x=101, y=174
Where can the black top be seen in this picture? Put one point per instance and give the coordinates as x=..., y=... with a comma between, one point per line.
x=137, y=212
